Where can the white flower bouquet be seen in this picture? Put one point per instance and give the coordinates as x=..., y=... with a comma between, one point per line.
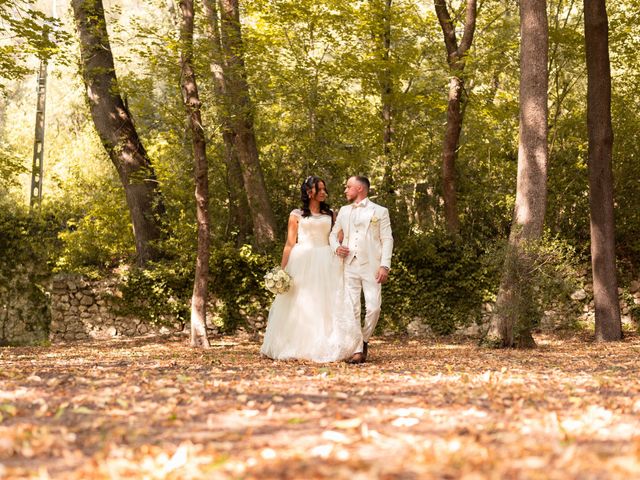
x=277, y=280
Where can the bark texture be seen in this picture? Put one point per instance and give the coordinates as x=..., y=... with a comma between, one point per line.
x=386, y=97
x=239, y=216
x=456, y=61
x=116, y=129
x=603, y=256
x=192, y=105
x=515, y=309
x=241, y=115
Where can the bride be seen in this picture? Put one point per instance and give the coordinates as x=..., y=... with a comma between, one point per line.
x=311, y=321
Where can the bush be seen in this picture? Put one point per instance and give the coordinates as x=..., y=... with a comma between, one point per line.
x=237, y=282
x=540, y=274
x=161, y=294
x=158, y=295
x=98, y=235
x=28, y=243
x=439, y=280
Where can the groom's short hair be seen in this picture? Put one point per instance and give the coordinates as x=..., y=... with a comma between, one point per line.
x=364, y=181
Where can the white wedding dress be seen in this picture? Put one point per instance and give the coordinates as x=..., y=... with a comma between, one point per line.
x=312, y=321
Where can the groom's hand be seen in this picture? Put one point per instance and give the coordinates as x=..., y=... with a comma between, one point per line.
x=342, y=251
x=382, y=275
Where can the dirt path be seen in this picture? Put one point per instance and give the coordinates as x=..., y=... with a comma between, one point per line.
x=155, y=408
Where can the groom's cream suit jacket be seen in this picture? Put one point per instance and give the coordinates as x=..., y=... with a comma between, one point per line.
x=367, y=233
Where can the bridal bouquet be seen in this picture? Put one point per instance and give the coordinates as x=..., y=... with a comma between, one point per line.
x=277, y=280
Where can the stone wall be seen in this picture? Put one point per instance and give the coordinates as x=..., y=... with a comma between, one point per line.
x=83, y=309
x=556, y=317
x=24, y=308
x=629, y=298
x=71, y=308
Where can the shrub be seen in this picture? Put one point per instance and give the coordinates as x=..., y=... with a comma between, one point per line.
x=440, y=280
x=237, y=282
x=27, y=245
x=161, y=294
x=158, y=295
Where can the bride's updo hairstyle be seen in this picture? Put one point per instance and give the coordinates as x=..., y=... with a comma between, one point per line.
x=307, y=186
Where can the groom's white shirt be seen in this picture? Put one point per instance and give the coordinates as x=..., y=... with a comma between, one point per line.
x=367, y=233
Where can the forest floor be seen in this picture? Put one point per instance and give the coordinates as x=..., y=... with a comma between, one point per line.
x=155, y=408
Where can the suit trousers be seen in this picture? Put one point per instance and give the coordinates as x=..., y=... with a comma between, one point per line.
x=362, y=278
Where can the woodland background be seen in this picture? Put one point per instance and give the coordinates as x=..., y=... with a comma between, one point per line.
x=337, y=88
x=329, y=88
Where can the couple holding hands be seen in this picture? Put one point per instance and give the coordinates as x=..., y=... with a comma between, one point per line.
x=332, y=260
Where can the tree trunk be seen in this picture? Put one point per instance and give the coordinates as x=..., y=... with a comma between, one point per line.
x=241, y=114
x=115, y=127
x=192, y=105
x=603, y=257
x=456, y=60
x=386, y=97
x=238, y=207
x=515, y=304
x=450, y=153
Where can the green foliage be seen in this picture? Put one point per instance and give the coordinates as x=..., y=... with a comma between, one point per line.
x=440, y=280
x=98, y=235
x=314, y=71
x=238, y=284
x=31, y=33
x=27, y=245
x=161, y=294
x=634, y=309
x=537, y=276
x=10, y=167
x=158, y=295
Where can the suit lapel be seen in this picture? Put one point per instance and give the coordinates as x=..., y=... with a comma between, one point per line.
x=367, y=215
x=346, y=226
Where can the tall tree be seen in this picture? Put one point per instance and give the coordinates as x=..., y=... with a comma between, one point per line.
x=116, y=129
x=456, y=60
x=515, y=315
x=385, y=79
x=238, y=207
x=192, y=105
x=603, y=257
x=241, y=114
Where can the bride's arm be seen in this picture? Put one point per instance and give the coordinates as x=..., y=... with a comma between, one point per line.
x=341, y=232
x=336, y=236
x=292, y=237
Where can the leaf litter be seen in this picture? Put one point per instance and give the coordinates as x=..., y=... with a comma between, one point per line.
x=156, y=408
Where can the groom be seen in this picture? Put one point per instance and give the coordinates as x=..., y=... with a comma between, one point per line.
x=366, y=249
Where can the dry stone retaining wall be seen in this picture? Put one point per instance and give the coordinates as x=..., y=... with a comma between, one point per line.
x=24, y=311
x=73, y=308
x=82, y=310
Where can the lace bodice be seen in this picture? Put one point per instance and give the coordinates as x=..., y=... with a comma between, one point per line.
x=313, y=231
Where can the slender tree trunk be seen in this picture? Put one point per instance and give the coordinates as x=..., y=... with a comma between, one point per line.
x=386, y=96
x=603, y=256
x=115, y=127
x=192, y=105
x=238, y=207
x=240, y=214
x=515, y=309
x=456, y=60
x=241, y=114
x=383, y=38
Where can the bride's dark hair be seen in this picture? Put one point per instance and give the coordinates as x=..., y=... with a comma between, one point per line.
x=307, y=186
